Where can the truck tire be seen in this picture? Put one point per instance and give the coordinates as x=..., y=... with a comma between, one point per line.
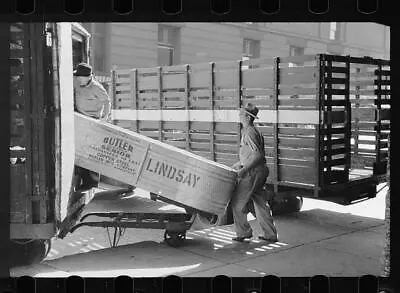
x=28, y=252
x=286, y=204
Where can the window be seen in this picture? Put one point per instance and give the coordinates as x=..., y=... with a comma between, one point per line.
x=79, y=47
x=295, y=51
x=168, y=39
x=165, y=56
x=251, y=48
x=334, y=31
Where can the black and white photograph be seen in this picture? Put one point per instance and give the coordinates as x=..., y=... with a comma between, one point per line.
x=198, y=149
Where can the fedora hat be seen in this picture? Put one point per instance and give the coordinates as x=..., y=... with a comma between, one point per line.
x=250, y=109
x=83, y=69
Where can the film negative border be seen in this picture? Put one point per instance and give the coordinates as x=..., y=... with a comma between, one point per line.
x=176, y=284
x=173, y=7
x=196, y=10
x=5, y=89
x=193, y=11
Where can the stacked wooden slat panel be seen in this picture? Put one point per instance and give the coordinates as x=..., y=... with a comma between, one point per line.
x=124, y=96
x=32, y=167
x=215, y=89
x=201, y=97
x=335, y=160
x=363, y=104
x=226, y=134
x=186, y=89
x=39, y=93
x=309, y=110
x=259, y=88
x=19, y=139
x=370, y=99
x=382, y=117
x=297, y=121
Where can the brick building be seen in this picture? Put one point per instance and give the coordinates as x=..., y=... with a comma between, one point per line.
x=130, y=45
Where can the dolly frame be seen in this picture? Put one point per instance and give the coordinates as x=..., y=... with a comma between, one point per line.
x=175, y=224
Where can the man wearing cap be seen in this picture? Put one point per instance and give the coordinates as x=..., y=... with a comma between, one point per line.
x=252, y=175
x=91, y=99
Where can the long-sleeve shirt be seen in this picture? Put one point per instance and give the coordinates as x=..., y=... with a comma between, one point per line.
x=92, y=99
x=252, y=141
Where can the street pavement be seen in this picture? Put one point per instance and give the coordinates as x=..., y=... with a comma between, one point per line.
x=324, y=238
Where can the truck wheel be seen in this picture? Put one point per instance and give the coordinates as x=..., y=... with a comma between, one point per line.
x=298, y=204
x=286, y=204
x=174, y=238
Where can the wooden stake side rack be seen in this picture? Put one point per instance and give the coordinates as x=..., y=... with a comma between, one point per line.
x=325, y=118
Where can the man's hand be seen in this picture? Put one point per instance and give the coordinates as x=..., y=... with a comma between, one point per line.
x=236, y=166
x=104, y=118
x=241, y=172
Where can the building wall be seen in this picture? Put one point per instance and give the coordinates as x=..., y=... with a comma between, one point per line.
x=372, y=39
x=100, y=45
x=310, y=29
x=207, y=42
x=135, y=44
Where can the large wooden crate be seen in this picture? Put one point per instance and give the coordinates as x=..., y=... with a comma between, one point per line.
x=308, y=106
x=160, y=168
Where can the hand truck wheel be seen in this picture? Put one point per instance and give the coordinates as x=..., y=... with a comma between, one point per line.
x=174, y=238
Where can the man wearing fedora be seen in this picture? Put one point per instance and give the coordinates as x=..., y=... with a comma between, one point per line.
x=252, y=174
x=91, y=99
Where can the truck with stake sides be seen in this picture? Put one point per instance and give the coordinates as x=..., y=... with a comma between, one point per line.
x=175, y=132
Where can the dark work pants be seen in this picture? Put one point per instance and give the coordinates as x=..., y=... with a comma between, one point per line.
x=250, y=188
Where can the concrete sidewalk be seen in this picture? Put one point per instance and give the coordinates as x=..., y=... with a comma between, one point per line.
x=312, y=242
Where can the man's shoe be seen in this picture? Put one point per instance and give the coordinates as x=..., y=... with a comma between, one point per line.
x=273, y=239
x=241, y=239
